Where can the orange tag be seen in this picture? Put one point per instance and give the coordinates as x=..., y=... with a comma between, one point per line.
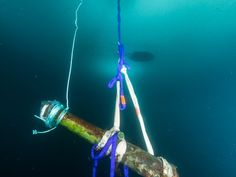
x=122, y=98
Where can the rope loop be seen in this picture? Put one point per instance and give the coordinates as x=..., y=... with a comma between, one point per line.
x=121, y=65
x=52, y=112
x=111, y=143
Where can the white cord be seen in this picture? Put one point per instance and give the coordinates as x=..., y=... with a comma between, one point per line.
x=72, y=53
x=137, y=109
x=116, y=125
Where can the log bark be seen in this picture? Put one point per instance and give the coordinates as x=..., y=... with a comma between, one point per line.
x=135, y=158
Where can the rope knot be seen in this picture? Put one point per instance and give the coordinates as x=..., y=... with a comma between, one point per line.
x=122, y=65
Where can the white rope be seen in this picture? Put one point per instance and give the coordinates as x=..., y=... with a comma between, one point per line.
x=116, y=125
x=105, y=138
x=121, y=146
x=137, y=109
x=121, y=149
x=167, y=168
x=72, y=53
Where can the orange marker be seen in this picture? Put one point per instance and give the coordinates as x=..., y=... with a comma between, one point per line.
x=122, y=99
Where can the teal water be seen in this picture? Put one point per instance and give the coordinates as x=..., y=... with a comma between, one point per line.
x=186, y=83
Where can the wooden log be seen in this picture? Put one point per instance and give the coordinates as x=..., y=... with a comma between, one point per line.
x=135, y=158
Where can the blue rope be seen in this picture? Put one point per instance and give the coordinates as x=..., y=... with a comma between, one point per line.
x=118, y=20
x=126, y=171
x=54, y=114
x=121, y=62
x=112, y=141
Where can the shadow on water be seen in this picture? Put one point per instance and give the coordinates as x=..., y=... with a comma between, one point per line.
x=141, y=56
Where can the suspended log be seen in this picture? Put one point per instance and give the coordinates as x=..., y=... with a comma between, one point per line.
x=135, y=158
x=140, y=161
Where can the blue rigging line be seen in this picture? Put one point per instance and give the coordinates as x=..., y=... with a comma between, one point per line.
x=118, y=20
x=121, y=62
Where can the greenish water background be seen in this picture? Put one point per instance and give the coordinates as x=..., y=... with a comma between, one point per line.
x=187, y=92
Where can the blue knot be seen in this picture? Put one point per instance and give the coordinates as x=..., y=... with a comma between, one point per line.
x=119, y=76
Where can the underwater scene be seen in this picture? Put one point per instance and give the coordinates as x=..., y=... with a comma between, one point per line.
x=89, y=87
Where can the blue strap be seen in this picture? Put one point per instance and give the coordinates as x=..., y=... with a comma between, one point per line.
x=112, y=141
x=126, y=171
